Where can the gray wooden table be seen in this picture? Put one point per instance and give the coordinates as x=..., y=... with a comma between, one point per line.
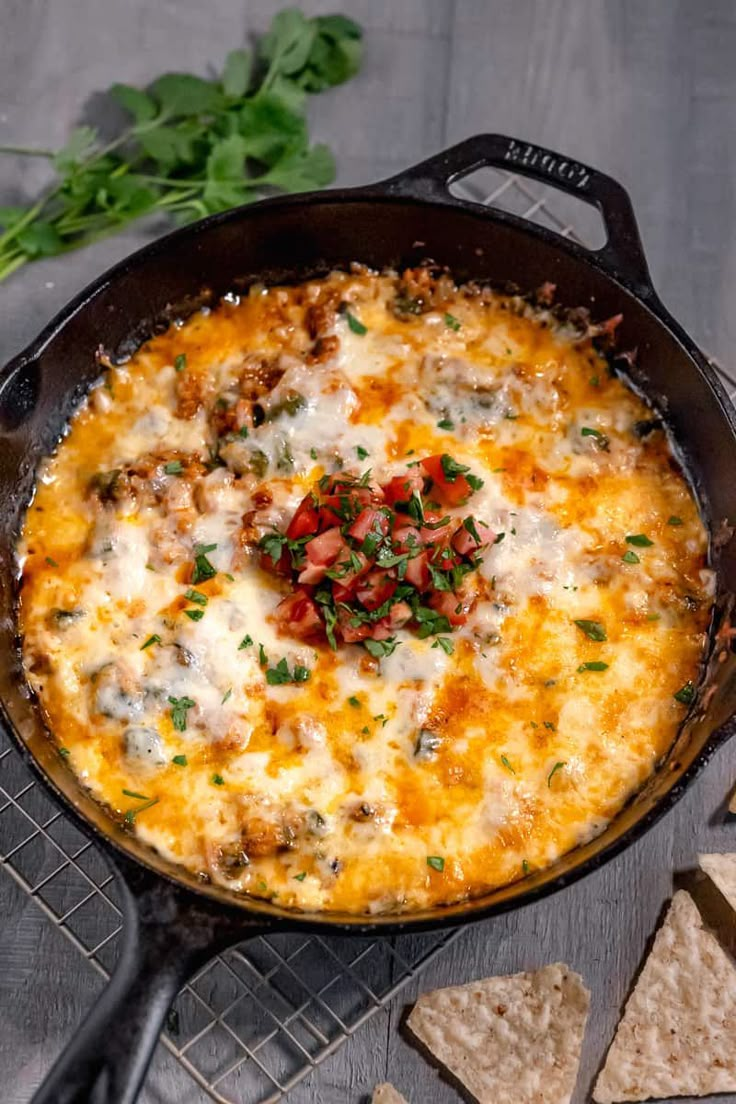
x=643, y=89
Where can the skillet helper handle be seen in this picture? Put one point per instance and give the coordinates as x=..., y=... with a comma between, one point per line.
x=622, y=256
x=166, y=937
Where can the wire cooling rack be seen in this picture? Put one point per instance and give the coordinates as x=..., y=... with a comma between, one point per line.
x=258, y=1018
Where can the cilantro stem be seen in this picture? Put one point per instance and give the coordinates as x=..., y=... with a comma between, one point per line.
x=27, y=151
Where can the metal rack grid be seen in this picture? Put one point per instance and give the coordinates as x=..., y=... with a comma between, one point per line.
x=260, y=1017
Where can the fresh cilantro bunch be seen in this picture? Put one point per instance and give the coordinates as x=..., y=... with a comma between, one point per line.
x=193, y=146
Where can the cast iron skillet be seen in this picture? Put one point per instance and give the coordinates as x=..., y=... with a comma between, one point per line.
x=172, y=922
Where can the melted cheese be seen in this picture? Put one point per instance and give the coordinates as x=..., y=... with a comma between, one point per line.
x=319, y=793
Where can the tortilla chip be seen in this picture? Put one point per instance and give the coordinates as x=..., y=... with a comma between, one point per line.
x=721, y=869
x=732, y=803
x=387, y=1094
x=508, y=1040
x=677, y=1036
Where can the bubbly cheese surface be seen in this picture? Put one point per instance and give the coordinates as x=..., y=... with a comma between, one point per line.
x=375, y=784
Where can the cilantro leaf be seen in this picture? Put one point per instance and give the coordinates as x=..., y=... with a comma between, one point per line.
x=594, y=630
x=179, y=710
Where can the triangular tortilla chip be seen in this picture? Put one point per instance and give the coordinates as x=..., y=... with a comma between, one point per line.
x=677, y=1036
x=387, y=1094
x=509, y=1040
x=721, y=869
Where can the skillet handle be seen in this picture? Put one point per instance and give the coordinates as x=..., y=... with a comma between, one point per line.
x=167, y=935
x=622, y=256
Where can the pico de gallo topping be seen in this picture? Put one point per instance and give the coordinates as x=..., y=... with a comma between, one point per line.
x=366, y=559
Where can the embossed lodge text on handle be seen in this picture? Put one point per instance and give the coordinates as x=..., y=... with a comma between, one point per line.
x=552, y=165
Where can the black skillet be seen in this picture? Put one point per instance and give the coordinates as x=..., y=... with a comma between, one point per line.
x=172, y=922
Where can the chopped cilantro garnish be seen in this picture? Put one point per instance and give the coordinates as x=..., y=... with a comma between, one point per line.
x=155, y=639
x=380, y=648
x=245, y=642
x=227, y=695
x=361, y=452
x=436, y=862
x=262, y=657
x=280, y=674
x=594, y=630
x=470, y=526
x=686, y=694
x=630, y=557
x=507, y=765
x=300, y=877
x=451, y=469
x=553, y=772
x=64, y=752
x=174, y=467
x=218, y=780
x=180, y=760
x=640, y=540
x=51, y=561
x=355, y=324
x=588, y=431
x=133, y=813
x=355, y=702
x=203, y=569
x=525, y=868
x=313, y=454
x=138, y=796
x=194, y=615
x=593, y=665
x=445, y=423
x=445, y=643
x=674, y=520
x=180, y=362
x=179, y=709
x=196, y=596
x=452, y=322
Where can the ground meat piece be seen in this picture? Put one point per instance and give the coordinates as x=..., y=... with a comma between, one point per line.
x=190, y=393
x=324, y=349
x=259, y=375
x=266, y=831
x=421, y=290
x=321, y=316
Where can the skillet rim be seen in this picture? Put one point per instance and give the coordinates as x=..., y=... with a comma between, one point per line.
x=444, y=916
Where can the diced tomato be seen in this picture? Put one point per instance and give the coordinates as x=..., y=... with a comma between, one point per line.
x=369, y=520
x=342, y=484
x=325, y=548
x=328, y=513
x=351, y=634
x=322, y=552
x=465, y=543
x=375, y=589
x=397, y=616
x=344, y=588
x=402, y=487
x=282, y=566
x=305, y=520
x=441, y=535
x=417, y=571
x=298, y=615
x=454, y=607
x=406, y=538
x=451, y=490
